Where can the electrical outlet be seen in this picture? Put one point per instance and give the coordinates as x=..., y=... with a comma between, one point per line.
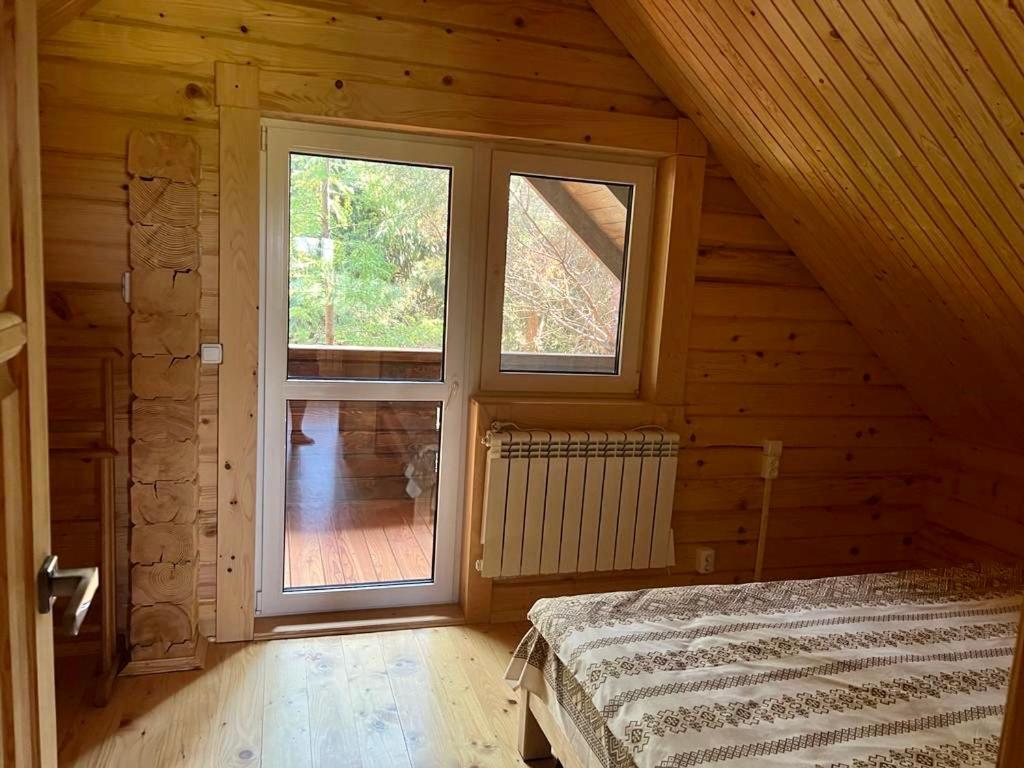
x=705, y=560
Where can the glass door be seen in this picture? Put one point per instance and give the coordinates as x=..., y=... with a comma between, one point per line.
x=364, y=347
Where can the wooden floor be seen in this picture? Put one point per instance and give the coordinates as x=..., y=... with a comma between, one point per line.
x=348, y=519
x=425, y=697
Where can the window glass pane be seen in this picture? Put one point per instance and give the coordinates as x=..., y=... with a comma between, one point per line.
x=360, y=492
x=367, y=269
x=565, y=260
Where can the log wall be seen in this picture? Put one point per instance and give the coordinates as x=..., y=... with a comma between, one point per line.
x=163, y=209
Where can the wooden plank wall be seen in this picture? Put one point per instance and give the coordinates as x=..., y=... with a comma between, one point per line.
x=549, y=68
x=976, y=510
x=770, y=357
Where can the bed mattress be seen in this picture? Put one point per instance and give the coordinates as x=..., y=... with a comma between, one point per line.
x=897, y=670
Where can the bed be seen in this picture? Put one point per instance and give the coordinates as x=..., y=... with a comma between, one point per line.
x=896, y=670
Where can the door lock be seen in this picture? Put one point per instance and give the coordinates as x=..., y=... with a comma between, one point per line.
x=79, y=584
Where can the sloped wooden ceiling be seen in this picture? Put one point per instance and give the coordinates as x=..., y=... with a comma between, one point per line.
x=884, y=139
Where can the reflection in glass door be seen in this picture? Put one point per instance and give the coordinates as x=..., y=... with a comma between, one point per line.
x=360, y=492
x=364, y=347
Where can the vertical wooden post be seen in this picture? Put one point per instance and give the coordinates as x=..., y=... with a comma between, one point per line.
x=163, y=207
x=237, y=402
x=475, y=590
x=677, y=203
x=533, y=744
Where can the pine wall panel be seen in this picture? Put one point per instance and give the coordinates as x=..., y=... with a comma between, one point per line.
x=771, y=357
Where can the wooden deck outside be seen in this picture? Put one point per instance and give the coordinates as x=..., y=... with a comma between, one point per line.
x=348, y=517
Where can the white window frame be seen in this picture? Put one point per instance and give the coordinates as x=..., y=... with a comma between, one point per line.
x=283, y=138
x=640, y=175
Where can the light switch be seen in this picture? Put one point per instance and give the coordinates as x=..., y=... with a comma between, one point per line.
x=211, y=354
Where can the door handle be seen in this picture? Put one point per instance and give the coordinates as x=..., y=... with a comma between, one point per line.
x=79, y=584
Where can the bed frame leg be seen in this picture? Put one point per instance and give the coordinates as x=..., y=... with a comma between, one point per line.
x=533, y=744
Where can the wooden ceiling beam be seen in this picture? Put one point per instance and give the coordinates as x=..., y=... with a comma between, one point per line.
x=559, y=196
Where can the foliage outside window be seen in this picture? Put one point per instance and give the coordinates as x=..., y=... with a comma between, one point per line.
x=368, y=254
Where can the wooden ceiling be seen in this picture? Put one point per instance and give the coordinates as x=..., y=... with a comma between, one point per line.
x=884, y=139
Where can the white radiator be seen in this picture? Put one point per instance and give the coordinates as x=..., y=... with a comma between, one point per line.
x=570, y=502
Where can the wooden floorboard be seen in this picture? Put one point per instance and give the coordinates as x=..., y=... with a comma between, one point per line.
x=347, y=518
x=418, y=697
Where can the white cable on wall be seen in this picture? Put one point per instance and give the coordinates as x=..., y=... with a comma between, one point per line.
x=769, y=471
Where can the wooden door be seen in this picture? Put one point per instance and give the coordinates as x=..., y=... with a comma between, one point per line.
x=27, y=711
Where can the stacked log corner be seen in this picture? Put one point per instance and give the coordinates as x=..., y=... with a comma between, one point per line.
x=163, y=195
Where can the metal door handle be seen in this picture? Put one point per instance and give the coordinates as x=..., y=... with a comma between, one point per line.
x=79, y=584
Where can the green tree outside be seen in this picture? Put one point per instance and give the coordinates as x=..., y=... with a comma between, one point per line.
x=368, y=252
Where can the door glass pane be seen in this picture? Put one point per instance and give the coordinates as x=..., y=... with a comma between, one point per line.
x=367, y=269
x=565, y=260
x=360, y=492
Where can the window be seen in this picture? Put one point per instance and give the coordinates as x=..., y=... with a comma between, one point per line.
x=567, y=248
x=367, y=268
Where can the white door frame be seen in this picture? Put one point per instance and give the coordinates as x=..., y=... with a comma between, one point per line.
x=282, y=138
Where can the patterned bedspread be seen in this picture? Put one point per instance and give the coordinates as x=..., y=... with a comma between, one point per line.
x=895, y=670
